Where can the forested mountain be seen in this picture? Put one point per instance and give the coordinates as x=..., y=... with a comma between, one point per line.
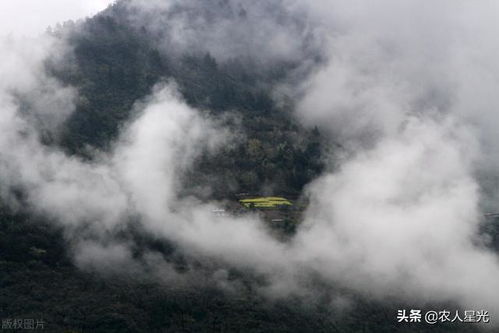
x=115, y=63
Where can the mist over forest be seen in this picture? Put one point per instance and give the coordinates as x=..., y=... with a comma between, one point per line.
x=250, y=166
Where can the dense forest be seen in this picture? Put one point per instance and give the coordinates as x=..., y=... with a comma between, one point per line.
x=113, y=64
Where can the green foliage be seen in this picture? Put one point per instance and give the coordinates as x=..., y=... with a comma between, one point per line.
x=115, y=64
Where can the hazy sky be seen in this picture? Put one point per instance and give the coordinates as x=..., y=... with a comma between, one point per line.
x=29, y=17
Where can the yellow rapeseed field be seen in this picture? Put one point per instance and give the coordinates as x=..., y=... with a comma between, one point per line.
x=265, y=202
